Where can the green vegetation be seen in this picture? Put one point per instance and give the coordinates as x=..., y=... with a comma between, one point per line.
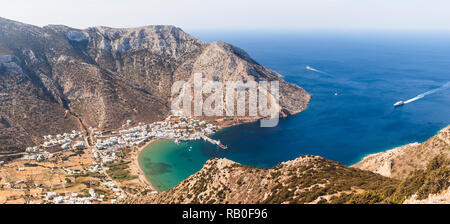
x=433, y=180
x=30, y=164
x=332, y=178
x=85, y=193
x=119, y=171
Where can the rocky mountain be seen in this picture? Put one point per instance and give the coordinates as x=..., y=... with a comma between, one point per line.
x=55, y=79
x=400, y=162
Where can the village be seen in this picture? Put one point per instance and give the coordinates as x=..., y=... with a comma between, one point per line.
x=84, y=167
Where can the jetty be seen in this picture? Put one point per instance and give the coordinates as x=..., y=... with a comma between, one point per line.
x=215, y=142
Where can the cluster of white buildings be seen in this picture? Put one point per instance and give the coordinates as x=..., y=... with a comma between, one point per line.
x=109, y=142
x=96, y=168
x=108, y=157
x=105, y=156
x=79, y=145
x=64, y=140
x=33, y=149
x=135, y=135
x=116, y=189
x=107, y=147
x=73, y=172
x=37, y=154
x=173, y=127
x=72, y=135
x=181, y=128
x=73, y=198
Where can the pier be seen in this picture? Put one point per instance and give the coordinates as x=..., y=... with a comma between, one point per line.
x=215, y=142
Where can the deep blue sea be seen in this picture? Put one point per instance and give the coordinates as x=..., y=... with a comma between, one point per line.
x=369, y=71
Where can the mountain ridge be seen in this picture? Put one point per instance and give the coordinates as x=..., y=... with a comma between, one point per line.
x=56, y=78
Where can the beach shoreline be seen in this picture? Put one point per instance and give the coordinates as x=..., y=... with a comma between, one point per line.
x=137, y=165
x=137, y=153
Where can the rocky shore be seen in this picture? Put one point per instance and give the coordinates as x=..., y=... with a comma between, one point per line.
x=401, y=161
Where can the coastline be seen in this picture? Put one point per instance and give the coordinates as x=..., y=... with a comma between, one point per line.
x=222, y=125
x=368, y=155
x=137, y=153
x=137, y=164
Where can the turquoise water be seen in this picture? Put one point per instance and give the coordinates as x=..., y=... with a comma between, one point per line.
x=369, y=72
x=166, y=163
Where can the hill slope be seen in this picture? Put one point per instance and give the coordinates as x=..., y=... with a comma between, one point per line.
x=307, y=179
x=55, y=79
x=400, y=162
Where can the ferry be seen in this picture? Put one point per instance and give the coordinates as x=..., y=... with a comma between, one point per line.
x=399, y=103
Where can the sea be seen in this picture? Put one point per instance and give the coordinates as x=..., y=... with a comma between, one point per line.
x=354, y=78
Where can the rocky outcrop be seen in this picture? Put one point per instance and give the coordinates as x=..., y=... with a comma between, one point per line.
x=383, y=162
x=55, y=79
x=307, y=179
x=401, y=161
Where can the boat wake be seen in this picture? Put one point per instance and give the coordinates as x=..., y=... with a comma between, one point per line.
x=420, y=96
x=315, y=70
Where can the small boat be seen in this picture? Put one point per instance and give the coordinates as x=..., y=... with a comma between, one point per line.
x=399, y=103
x=223, y=146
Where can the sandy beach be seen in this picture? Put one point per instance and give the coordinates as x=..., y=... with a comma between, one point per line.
x=137, y=167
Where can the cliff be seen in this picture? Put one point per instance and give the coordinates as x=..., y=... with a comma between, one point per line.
x=401, y=161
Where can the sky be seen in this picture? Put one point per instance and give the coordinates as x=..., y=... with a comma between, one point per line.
x=236, y=14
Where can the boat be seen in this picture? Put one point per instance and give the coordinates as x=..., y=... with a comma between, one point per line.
x=223, y=146
x=399, y=103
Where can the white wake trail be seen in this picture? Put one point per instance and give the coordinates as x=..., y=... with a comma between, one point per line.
x=420, y=96
x=315, y=70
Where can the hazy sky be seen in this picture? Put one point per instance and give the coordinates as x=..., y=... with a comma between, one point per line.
x=235, y=14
